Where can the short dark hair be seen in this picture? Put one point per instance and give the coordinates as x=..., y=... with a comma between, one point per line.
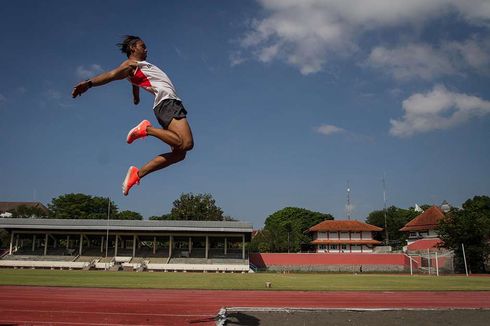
x=127, y=42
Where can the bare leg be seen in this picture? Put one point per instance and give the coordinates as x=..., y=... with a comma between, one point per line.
x=170, y=137
x=178, y=136
x=160, y=162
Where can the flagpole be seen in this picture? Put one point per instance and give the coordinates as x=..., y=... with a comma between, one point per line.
x=107, y=234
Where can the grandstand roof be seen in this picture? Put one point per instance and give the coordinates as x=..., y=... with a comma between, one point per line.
x=354, y=225
x=125, y=225
x=428, y=220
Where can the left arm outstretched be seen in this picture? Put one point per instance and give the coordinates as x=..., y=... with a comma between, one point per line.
x=121, y=72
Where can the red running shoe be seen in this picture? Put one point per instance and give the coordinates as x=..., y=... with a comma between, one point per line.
x=138, y=132
x=131, y=179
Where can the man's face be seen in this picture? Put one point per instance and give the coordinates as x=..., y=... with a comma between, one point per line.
x=140, y=50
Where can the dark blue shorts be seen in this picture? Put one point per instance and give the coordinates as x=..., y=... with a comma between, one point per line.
x=167, y=110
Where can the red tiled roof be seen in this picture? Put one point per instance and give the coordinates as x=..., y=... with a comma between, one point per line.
x=425, y=244
x=428, y=220
x=351, y=242
x=330, y=225
x=6, y=206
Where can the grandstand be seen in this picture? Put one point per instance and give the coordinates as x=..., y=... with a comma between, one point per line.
x=129, y=245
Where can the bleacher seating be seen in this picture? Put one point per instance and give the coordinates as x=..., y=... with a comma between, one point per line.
x=47, y=262
x=200, y=264
x=93, y=258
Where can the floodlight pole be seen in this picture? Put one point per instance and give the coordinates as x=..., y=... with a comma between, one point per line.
x=107, y=234
x=288, y=242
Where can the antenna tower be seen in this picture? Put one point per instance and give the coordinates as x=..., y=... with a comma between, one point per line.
x=348, y=208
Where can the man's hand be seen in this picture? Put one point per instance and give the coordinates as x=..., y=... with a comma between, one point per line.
x=81, y=88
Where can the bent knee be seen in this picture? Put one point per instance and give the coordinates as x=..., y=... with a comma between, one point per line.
x=186, y=146
x=189, y=146
x=178, y=155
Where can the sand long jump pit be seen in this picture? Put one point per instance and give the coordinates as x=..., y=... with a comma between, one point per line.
x=352, y=317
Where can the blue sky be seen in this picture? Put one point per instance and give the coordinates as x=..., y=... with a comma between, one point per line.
x=288, y=101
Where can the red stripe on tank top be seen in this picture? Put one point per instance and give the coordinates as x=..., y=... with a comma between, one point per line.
x=140, y=79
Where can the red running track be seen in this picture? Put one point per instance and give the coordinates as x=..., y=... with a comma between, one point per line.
x=94, y=306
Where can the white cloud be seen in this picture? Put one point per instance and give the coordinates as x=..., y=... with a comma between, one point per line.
x=473, y=52
x=411, y=61
x=236, y=58
x=437, y=109
x=474, y=11
x=417, y=60
x=87, y=72
x=308, y=33
x=328, y=130
x=395, y=92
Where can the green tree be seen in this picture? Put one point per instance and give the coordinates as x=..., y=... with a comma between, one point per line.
x=161, y=217
x=128, y=215
x=396, y=218
x=200, y=207
x=80, y=206
x=285, y=230
x=469, y=226
x=24, y=211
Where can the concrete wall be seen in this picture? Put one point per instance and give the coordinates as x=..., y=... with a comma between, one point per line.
x=338, y=268
x=335, y=262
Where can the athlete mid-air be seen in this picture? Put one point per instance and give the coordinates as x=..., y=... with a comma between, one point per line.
x=167, y=107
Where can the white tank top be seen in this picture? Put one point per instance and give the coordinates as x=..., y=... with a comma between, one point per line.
x=155, y=81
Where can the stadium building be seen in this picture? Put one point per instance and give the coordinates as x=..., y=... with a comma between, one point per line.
x=127, y=244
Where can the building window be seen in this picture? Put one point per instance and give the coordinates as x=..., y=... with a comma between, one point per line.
x=366, y=235
x=333, y=247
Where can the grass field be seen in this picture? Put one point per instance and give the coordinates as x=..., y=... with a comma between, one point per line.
x=214, y=281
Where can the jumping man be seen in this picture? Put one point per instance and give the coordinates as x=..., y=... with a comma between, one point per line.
x=168, y=108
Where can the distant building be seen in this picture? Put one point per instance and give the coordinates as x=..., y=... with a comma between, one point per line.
x=424, y=225
x=6, y=207
x=422, y=230
x=344, y=236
